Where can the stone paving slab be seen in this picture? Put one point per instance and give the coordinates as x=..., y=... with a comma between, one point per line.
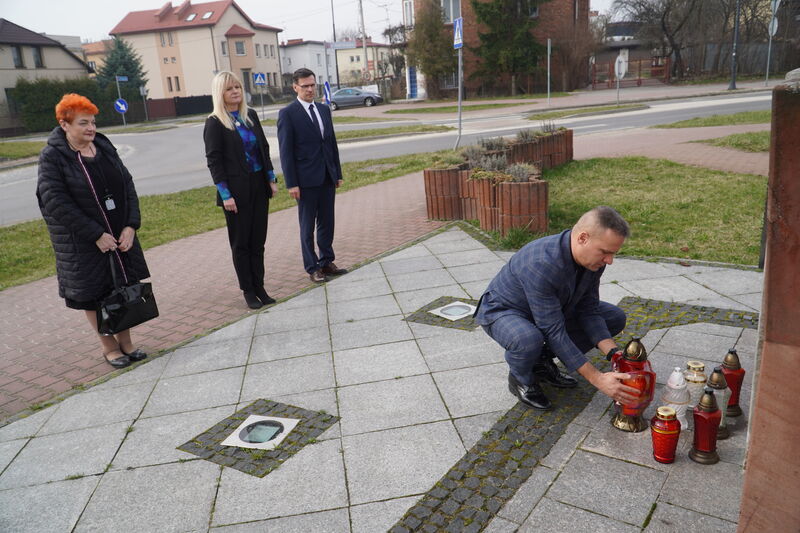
x=427, y=423
x=556, y=517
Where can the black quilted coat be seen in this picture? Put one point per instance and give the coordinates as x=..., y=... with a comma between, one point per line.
x=75, y=222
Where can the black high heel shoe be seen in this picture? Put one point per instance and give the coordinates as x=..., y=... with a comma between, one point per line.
x=135, y=355
x=252, y=300
x=265, y=298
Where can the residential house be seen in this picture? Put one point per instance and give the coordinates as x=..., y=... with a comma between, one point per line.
x=30, y=55
x=354, y=70
x=95, y=53
x=183, y=47
x=314, y=55
x=555, y=18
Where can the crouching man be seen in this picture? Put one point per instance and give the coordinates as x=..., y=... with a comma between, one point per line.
x=544, y=303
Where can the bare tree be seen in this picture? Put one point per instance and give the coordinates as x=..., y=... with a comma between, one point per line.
x=574, y=44
x=664, y=22
x=431, y=48
x=396, y=37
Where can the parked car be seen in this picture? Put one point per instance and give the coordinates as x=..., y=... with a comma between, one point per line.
x=350, y=96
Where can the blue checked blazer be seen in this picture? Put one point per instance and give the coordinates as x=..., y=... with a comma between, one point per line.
x=538, y=284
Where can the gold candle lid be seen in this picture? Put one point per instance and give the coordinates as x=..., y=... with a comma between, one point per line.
x=696, y=366
x=635, y=350
x=717, y=379
x=731, y=361
x=665, y=413
x=708, y=402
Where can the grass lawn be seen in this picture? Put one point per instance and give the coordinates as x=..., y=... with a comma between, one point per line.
x=358, y=134
x=745, y=117
x=674, y=210
x=754, y=141
x=561, y=113
x=716, y=215
x=447, y=109
x=20, y=149
x=137, y=129
x=27, y=254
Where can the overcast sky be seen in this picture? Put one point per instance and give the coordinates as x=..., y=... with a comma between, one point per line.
x=307, y=19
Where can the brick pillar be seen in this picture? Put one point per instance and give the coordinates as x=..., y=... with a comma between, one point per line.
x=772, y=472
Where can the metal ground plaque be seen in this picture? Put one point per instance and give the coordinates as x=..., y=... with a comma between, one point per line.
x=259, y=463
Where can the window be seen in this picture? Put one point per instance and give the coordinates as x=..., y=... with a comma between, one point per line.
x=38, y=62
x=163, y=39
x=166, y=60
x=191, y=17
x=358, y=58
x=408, y=12
x=169, y=83
x=451, y=9
x=274, y=79
x=177, y=83
x=258, y=50
x=207, y=15
x=319, y=59
x=288, y=60
x=92, y=65
x=224, y=47
x=239, y=48
x=16, y=51
x=352, y=59
x=272, y=50
x=169, y=36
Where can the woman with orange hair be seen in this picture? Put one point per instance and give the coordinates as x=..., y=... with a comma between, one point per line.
x=89, y=203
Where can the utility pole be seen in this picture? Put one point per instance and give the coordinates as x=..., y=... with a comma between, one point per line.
x=363, y=37
x=732, y=85
x=335, y=50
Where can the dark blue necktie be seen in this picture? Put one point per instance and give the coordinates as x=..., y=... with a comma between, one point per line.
x=314, y=118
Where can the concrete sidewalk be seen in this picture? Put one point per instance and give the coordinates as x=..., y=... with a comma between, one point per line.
x=425, y=435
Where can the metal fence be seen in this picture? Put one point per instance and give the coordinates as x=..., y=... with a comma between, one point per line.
x=640, y=72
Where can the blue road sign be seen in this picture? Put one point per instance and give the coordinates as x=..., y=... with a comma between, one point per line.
x=122, y=78
x=458, y=33
x=327, y=90
x=121, y=106
x=259, y=78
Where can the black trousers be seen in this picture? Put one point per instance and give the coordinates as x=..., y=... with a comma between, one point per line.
x=315, y=210
x=247, y=233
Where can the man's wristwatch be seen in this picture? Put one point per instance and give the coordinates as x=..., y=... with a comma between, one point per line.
x=611, y=352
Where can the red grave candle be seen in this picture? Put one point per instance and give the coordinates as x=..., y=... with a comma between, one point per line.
x=734, y=376
x=665, y=430
x=707, y=417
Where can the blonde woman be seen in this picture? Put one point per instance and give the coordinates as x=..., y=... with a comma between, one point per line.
x=238, y=158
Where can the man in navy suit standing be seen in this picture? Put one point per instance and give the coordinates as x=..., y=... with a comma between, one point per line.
x=311, y=168
x=545, y=303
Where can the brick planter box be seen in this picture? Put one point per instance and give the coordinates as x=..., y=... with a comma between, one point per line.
x=522, y=205
x=468, y=195
x=488, y=214
x=548, y=151
x=442, y=192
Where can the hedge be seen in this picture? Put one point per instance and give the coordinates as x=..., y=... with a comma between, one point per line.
x=37, y=101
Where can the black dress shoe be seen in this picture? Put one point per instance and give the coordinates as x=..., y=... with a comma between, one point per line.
x=252, y=300
x=531, y=395
x=332, y=270
x=265, y=298
x=136, y=355
x=546, y=370
x=119, y=362
x=317, y=276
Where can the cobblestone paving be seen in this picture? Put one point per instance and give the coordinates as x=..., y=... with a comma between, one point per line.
x=482, y=481
x=259, y=463
x=422, y=316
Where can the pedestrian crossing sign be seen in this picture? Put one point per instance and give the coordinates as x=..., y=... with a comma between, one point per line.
x=258, y=78
x=458, y=30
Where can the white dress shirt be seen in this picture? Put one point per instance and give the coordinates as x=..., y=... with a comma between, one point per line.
x=306, y=106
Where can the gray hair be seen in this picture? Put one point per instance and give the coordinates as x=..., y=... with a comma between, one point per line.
x=604, y=217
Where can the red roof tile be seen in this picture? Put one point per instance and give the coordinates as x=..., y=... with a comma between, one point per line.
x=238, y=31
x=168, y=18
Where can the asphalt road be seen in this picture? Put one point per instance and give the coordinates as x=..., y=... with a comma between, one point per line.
x=173, y=160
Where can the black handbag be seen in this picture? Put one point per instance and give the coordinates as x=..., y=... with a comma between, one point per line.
x=127, y=305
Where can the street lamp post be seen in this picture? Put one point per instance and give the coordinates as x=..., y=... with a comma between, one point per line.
x=335, y=54
x=732, y=85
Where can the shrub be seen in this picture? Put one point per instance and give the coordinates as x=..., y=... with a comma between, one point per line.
x=526, y=135
x=447, y=160
x=472, y=153
x=493, y=143
x=38, y=100
x=521, y=171
x=491, y=162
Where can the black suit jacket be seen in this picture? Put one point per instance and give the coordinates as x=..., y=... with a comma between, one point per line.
x=226, y=158
x=306, y=156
